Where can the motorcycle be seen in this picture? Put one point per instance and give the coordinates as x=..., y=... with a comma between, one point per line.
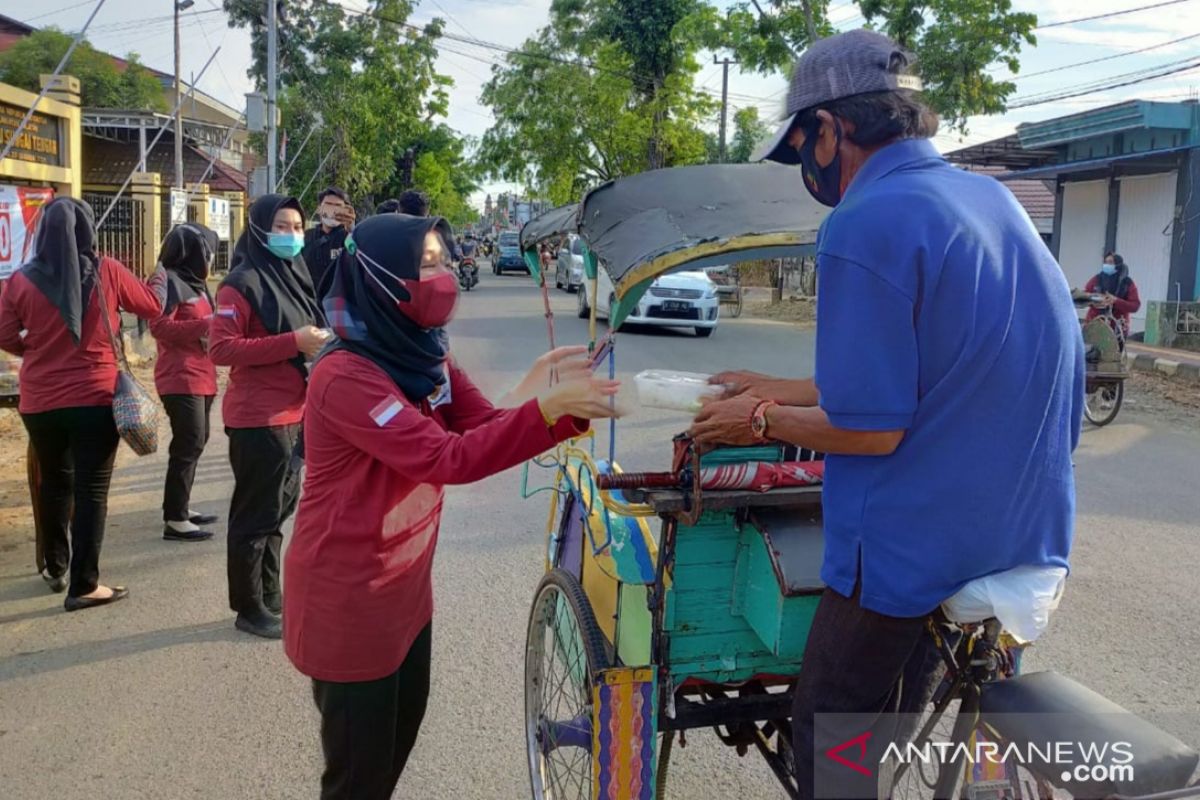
x=468, y=274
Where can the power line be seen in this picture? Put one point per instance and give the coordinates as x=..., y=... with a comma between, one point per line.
x=1073, y=65
x=1187, y=66
x=1120, y=13
x=58, y=11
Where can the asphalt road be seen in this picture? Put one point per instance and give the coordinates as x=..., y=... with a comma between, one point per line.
x=159, y=697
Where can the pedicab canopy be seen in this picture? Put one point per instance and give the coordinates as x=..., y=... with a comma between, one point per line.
x=555, y=222
x=653, y=223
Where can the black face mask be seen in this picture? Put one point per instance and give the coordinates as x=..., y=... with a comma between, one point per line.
x=823, y=183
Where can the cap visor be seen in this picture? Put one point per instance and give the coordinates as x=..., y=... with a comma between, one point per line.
x=777, y=148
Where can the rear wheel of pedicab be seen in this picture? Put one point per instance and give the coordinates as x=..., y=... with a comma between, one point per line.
x=1101, y=406
x=564, y=650
x=735, y=307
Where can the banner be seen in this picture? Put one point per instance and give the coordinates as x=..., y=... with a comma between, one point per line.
x=20, y=209
x=218, y=217
x=178, y=207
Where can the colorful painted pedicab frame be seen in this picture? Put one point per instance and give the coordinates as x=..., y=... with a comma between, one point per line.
x=640, y=632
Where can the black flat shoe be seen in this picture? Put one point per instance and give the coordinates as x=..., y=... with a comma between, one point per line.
x=260, y=624
x=57, y=585
x=203, y=519
x=172, y=535
x=80, y=603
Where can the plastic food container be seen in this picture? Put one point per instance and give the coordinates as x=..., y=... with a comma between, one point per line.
x=675, y=391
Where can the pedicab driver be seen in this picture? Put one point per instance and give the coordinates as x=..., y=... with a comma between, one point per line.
x=947, y=393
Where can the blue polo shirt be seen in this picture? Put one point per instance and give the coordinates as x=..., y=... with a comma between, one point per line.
x=942, y=313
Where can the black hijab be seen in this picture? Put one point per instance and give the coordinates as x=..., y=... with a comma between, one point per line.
x=365, y=317
x=64, y=261
x=186, y=253
x=1118, y=283
x=279, y=291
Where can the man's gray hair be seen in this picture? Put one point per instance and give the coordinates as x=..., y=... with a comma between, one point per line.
x=878, y=117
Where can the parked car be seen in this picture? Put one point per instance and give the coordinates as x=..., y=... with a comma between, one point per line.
x=508, y=254
x=569, y=272
x=679, y=300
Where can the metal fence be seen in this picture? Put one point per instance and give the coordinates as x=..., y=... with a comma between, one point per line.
x=122, y=236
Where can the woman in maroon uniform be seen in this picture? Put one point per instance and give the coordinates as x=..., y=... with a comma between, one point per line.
x=265, y=329
x=391, y=420
x=184, y=374
x=67, y=381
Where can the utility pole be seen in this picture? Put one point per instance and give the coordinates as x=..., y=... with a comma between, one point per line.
x=272, y=81
x=180, y=5
x=724, y=63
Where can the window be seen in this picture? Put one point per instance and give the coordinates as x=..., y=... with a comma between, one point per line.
x=577, y=246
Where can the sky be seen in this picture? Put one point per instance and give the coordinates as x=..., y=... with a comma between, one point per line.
x=126, y=25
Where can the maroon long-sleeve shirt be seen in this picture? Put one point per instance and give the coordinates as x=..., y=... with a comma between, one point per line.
x=183, y=365
x=56, y=373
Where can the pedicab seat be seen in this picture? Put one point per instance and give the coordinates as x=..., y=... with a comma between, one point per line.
x=1036, y=708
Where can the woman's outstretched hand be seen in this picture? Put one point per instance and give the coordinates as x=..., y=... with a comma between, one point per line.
x=585, y=397
x=568, y=363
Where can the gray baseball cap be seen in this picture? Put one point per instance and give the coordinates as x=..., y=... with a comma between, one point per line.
x=851, y=63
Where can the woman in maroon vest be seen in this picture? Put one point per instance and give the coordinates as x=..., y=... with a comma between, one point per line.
x=50, y=314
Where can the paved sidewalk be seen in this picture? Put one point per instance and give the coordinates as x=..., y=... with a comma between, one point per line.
x=1183, y=364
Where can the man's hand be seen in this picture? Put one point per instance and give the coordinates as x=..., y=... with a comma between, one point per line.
x=726, y=422
x=346, y=216
x=782, y=390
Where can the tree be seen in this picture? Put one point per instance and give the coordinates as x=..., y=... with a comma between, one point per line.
x=955, y=42
x=748, y=131
x=572, y=109
x=365, y=84
x=103, y=83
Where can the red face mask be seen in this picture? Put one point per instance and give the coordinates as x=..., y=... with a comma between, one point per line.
x=432, y=300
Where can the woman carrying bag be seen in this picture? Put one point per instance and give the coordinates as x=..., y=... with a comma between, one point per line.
x=265, y=329
x=391, y=420
x=184, y=375
x=68, y=300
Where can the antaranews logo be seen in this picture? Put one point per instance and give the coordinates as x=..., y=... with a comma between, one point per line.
x=1068, y=761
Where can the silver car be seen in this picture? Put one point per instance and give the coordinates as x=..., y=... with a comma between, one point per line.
x=568, y=274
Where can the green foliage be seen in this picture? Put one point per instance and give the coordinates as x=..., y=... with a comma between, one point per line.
x=955, y=42
x=584, y=102
x=366, y=83
x=102, y=83
x=748, y=131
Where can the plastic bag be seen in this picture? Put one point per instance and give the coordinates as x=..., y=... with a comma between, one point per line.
x=1022, y=599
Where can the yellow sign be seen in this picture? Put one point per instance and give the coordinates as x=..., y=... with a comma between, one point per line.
x=40, y=142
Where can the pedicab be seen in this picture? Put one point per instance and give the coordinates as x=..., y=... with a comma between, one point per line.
x=1104, y=337
x=682, y=599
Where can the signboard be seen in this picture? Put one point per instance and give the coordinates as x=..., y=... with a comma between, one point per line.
x=20, y=209
x=218, y=217
x=41, y=142
x=178, y=207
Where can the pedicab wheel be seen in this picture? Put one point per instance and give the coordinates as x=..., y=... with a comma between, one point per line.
x=736, y=310
x=1101, y=406
x=564, y=650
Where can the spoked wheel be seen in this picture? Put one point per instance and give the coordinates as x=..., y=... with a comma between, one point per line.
x=735, y=310
x=916, y=780
x=1101, y=406
x=564, y=650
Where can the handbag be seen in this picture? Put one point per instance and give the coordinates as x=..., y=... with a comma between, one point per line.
x=134, y=410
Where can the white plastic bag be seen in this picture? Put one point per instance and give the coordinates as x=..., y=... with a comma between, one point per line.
x=1022, y=599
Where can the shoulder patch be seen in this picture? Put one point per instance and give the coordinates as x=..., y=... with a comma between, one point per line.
x=387, y=410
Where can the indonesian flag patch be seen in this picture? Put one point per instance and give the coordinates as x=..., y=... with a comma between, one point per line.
x=227, y=311
x=386, y=411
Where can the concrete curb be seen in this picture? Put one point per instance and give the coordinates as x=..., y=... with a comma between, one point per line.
x=1180, y=370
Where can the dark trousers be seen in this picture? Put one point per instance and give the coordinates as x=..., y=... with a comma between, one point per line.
x=368, y=729
x=75, y=450
x=266, y=486
x=857, y=662
x=189, y=415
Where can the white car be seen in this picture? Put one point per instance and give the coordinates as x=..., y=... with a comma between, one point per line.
x=678, y=300
x=568, y=273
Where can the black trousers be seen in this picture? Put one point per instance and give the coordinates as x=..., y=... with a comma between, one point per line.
x=368, y=729
x=75, y=450
x=190, y=415
x=266, y=486
x=861, y=663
